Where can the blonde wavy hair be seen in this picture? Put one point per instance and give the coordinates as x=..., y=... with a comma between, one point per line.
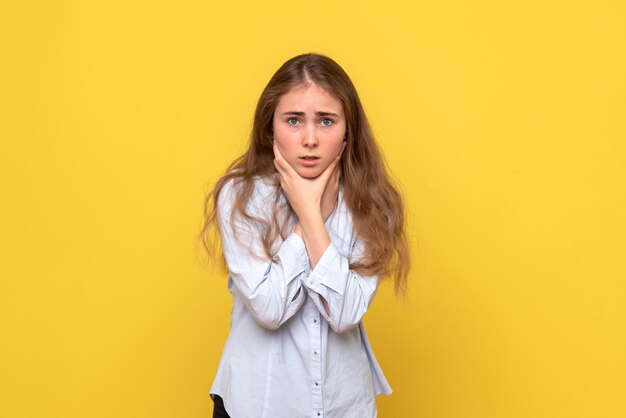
x=375, y=202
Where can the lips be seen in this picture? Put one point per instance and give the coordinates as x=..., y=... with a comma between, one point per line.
x=309, y=160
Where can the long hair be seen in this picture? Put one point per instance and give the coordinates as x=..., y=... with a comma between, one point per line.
x=376, y=205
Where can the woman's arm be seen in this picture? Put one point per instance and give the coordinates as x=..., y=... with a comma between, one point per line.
x=317, y=239
x=313, y=200
x=316, y=243
x=309, y=198
x=271, y=291
x=341, y=295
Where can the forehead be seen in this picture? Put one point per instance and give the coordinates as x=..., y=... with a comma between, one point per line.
x=309, y=97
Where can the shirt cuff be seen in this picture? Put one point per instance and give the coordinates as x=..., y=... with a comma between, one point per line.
x=330, y=271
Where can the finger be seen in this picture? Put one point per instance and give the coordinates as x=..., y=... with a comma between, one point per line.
x=338, y=166
x=336, y=173
x=335, y=162
x=330, y=169
x=277, y=153
x=279, y=168
x=336, y=176
x=279, y=162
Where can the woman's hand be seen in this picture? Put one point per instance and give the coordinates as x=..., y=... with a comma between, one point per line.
x=309, y=198
x=329, y=198
x=331, y=191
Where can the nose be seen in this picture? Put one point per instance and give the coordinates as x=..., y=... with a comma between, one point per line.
x=310, y=138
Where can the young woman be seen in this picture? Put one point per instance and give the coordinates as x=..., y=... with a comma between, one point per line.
x=309, y=222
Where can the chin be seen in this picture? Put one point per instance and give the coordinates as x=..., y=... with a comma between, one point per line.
x=309, y=174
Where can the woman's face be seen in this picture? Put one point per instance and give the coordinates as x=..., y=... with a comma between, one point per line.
x=309, y=129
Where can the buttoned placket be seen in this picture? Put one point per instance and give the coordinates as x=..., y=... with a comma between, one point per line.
x=314, y=326
x=316, y=360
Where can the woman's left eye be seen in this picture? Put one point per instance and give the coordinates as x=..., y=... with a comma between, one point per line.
x=330, y=122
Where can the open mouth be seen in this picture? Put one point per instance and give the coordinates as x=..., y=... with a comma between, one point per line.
x=309, y=160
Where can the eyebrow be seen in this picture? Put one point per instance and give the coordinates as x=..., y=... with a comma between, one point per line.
x=316, y=113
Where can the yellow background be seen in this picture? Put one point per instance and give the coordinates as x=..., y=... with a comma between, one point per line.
x=504, y=122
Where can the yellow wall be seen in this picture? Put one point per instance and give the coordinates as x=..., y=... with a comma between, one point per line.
x=504, y=121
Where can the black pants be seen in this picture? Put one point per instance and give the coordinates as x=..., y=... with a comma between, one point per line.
x=218, y=408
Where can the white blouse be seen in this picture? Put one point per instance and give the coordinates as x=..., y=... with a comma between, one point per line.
x=285, y=357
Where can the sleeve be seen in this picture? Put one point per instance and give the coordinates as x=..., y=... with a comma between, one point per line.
x=348, y=293
x=270, y=290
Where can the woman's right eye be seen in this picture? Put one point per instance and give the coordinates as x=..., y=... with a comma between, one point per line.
x=290, y=119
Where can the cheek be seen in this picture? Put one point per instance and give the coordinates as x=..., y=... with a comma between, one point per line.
x=286, y=147
x=336, y=145
x=282, y=134
x=338, y=138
